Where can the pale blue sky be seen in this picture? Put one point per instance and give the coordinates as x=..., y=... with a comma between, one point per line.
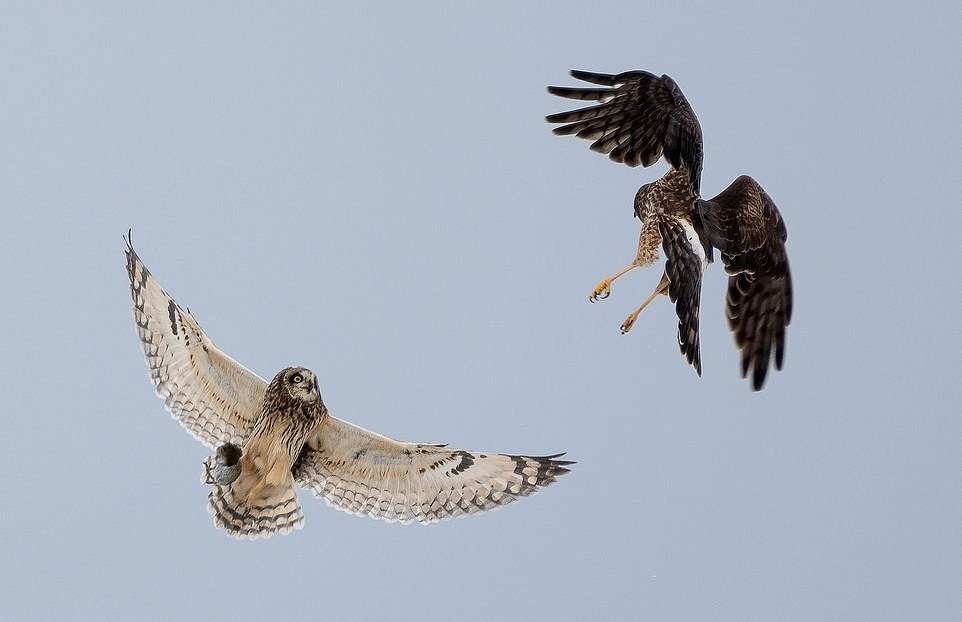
x=372, y=192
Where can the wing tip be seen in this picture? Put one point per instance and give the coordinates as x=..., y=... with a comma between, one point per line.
x=553, y=458
x=129, y=241
x=603, y=79
x=759, y=371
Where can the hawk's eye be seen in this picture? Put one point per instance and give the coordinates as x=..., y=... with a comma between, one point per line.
x=297, y=379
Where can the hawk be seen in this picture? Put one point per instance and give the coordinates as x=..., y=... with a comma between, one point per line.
x=270, y=437
x=640, y=117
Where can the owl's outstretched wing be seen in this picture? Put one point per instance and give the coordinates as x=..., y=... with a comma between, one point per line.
x=743, y=223
x=638, y=118
x=364, y=473
x=215, y=398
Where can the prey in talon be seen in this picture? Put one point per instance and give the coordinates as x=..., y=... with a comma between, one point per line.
x=224, y=466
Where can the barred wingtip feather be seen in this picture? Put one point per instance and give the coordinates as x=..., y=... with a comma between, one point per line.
x=639, y=117
x=366, y=474
x=758, y=310
x=746, y=226
x=406, y=507
x=215, y=398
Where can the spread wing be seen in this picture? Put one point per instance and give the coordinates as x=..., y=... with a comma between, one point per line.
x=684, y=266
x=364, y=473
x=638, y=118
x=743, y=223
x=213, y=396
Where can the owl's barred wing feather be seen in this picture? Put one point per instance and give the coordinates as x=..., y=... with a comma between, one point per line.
x=743, y=223
x=215, y=398
x=363, y=473
x=639, y=118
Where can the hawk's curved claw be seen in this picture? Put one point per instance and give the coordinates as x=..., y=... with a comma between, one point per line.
x=601, y=292
x=629, y=322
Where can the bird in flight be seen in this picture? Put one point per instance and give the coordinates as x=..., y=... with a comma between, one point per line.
x=269, y=437
x=640, y=117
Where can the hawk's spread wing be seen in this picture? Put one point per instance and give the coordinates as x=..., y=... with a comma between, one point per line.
x=684, y=265
x=364, y=473
x=638, y=118
x=213, y=396
x=743, y=223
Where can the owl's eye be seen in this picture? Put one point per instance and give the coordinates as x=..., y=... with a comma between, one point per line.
x=297, y=379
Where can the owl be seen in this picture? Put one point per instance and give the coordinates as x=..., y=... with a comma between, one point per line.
x=270, y=438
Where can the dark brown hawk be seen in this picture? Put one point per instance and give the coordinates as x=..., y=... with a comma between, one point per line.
x=640, y=117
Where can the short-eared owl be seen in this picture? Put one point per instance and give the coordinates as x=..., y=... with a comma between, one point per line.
x=640, y=117
x=269, y=437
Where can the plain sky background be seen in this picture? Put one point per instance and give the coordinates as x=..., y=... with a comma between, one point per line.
x=372, y=191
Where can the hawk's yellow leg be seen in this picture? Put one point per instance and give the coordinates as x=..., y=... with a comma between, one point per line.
x=661, y=288
x=604, y=288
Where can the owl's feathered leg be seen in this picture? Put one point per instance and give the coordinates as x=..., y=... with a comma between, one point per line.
x=661, y=288
x=603, y=290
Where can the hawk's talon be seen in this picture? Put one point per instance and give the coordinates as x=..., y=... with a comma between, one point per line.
x=629, y=322
x=601, y=292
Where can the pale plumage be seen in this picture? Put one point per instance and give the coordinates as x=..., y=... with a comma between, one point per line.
x=287, y=437
x=640, y=117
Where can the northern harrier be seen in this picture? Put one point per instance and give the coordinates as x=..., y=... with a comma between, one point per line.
x=638, y=119
x=269, y=436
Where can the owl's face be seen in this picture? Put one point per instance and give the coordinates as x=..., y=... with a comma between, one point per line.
x=301, y=384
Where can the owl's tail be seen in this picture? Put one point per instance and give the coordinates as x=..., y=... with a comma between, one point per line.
x=258, y=513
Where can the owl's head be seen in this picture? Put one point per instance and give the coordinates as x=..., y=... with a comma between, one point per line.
x=301, y=384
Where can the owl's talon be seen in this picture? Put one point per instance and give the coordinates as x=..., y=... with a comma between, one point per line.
x=209, y=474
